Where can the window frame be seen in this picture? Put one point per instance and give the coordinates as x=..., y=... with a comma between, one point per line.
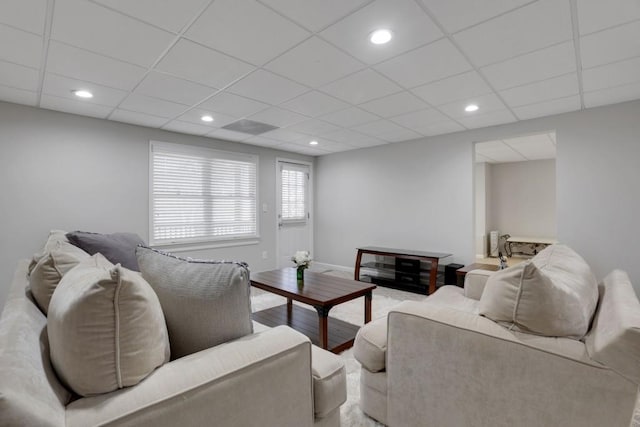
x=295, y=166
x=208, y=242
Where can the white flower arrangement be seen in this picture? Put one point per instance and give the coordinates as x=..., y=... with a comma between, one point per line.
x=302, y=259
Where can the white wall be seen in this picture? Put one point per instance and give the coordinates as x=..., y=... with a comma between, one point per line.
x=70, y=172
x=523, y=198
x=481, y=195
x=360, y=198
x=409, y=195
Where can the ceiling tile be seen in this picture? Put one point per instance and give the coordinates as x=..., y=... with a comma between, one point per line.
x=411, y=28
x=195, y=116
x=611, y=75
x=171, y=15
x=136, y=118
x=301, y=149
x=18, y=76
x=246, y=29
x=482, y=159
x=314, y=62
x=387, y=131
x=426, y=64
x=505, y=155
x=267, y=87
x=89, y=26
x=24, y=48
x=261, y=141
x=533, y=147
x=454, y=88
x=186, y=127
x=170, y=88
x=228, y=135
x=18, y=96
x=153, y=106
x=486, y=104
x=517, y=32
x=314, y=103
x=610, y=45
x=552, y=137
x=548, y=108
x=428, y=122
x=83, y=65
x=75, y=107
x=27, y=15
x=394, y=105
x=594, y=15
x=492, y=118
x=313, y=127
x=354, y=138
x=233, y=105
x=315, y=14
x=546, y=90
x=418, y=118
x=202, y=65
x=361, y=87
x=612, y=95
x=455, y=15
x=349, y=117
x=536, y=66
x=283, y=135
x=62, y=87
x=277, y=117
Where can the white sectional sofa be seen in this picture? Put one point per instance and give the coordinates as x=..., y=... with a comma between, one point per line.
x=272, y=377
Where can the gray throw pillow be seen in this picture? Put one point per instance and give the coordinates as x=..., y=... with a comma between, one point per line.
x=205, y=303
x=119, y=248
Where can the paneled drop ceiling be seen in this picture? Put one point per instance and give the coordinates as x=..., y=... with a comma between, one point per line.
x=519, y=149
x=308, y=68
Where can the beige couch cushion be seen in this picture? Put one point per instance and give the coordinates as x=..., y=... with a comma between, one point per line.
x=49, y=269
x=370, y=346
x=206, y=303
x=329, y=381
x=106, y=328
x=554, y=294
x=614, y=339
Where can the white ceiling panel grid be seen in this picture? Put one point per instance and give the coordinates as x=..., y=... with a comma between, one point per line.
x=308, y=67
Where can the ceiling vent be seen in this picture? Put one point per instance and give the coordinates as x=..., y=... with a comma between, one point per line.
x=249, y=126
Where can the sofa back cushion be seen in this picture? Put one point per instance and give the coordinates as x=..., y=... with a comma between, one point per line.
x=49, y=269
x=554, y=294
x=119, y=248
x=614, y=339
x=106, y=328
x=206, y=303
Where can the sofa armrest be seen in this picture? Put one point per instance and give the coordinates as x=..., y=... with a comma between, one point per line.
x=474, y=283
x=260, y=379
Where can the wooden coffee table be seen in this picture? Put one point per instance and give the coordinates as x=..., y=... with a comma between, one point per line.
x=322, y=292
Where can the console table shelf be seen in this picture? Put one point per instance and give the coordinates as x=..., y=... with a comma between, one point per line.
x=405, y=273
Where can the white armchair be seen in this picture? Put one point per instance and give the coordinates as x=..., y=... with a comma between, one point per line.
x=440, y=363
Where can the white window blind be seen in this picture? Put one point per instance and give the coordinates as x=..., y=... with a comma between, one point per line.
x=199, y=194
x=295, y=179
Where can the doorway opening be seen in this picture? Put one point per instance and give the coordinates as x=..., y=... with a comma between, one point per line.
x=515, y=196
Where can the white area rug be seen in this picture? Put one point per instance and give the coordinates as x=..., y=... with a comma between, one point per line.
x=353, y=312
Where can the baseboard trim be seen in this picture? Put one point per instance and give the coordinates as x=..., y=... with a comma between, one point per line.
x=326, y=266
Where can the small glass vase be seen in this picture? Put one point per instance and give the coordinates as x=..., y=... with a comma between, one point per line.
x=300, y=275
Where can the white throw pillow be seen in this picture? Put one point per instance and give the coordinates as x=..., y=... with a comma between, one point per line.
x=106, y=328
x=49, y=269
x=554, y=294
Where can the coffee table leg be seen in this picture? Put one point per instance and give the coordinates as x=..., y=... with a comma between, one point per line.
x=367, y=307
x=289, y=309
x=323, y=325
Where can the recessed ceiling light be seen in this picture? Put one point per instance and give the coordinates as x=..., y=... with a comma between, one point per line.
x=82, y=93
x=206, y=118
x=314, y=142
x=381, y=36
x=471, y=108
